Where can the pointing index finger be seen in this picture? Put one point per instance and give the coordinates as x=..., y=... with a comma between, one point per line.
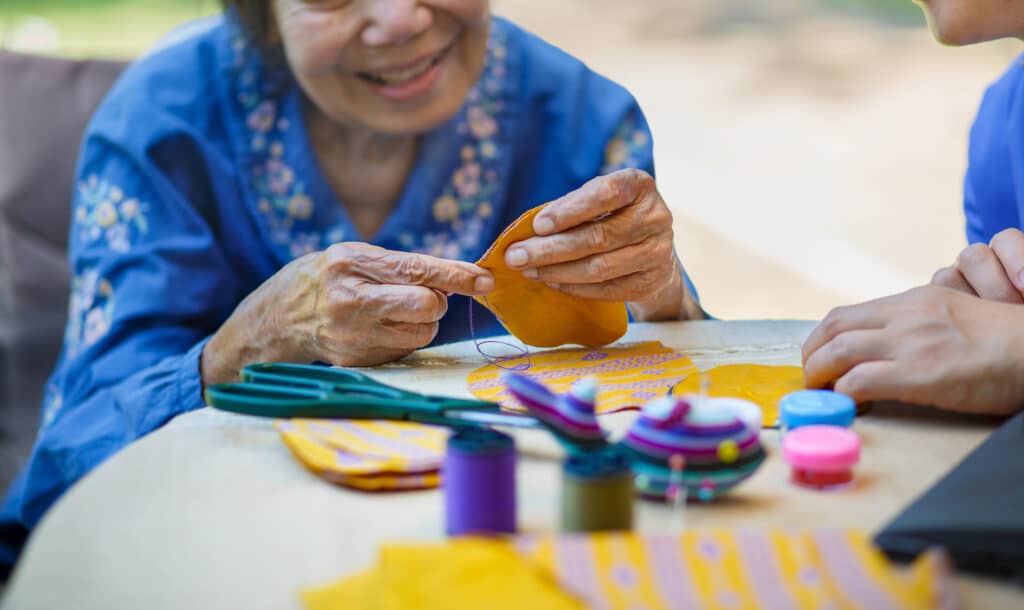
x=447, y=276
x=597, y=197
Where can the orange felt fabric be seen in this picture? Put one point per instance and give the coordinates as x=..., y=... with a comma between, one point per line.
x=539, y=315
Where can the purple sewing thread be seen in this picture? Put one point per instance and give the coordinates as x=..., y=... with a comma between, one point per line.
x=479, y=477
x=497, y=360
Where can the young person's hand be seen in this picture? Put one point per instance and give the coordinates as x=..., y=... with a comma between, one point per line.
x=994, y=272
x=930, y=345
x=611, y=239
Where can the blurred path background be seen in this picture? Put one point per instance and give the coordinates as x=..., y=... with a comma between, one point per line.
x=812, y=150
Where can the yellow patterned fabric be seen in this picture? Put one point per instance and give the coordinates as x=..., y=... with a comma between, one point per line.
x=761, y=384
x=699, y=570
x=630, y=375
x=468, y=574
x=627, y=376
x=368, y=454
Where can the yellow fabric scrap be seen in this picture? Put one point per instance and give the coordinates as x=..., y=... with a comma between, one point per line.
x=467, y=574
x=698, y=570
x=539, y=315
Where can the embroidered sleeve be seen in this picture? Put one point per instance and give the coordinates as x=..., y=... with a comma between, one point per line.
x=630, y=146
x=149, y=282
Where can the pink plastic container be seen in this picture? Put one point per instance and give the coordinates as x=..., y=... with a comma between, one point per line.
x=822, y=457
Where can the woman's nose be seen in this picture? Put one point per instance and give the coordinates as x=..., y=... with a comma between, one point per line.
x=395, y=21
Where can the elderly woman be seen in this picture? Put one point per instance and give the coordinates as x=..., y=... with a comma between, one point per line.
x=306, y=181
x=959, y=343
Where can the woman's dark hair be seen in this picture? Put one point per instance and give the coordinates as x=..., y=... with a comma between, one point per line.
x=255, y=18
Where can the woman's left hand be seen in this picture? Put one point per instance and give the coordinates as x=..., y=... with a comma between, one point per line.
x=611, y=239
x=930, y=346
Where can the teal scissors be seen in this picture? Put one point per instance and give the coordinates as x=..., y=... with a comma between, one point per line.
x=305, y=390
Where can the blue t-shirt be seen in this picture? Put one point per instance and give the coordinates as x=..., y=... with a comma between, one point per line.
x=994, y=185
x=197, y=182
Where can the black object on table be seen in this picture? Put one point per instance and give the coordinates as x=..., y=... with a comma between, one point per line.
x=976, y=511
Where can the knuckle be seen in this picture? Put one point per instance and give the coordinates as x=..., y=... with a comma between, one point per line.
x=944, y=277
x=1006, y=238
x=599, y=267
x=973, y=254
x=412, y=268
x=596, y=235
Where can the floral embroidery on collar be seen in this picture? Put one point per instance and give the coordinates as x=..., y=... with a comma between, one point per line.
x=466, y=203
x=460, y=213
x=283, y=196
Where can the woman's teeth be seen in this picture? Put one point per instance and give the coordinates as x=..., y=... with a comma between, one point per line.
x=397, y=77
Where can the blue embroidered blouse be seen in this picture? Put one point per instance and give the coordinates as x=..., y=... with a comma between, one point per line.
x=994, y=185
x=197, y=182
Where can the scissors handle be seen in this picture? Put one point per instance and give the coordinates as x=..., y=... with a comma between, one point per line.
x=275, y=400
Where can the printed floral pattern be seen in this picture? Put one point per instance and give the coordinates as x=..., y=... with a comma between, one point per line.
x=463, y=210
x=628, y=147
x=90, y=310
x=52, y=402
x=104, y=215
x=283, y=196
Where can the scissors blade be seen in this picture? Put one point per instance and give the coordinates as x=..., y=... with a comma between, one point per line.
x=494, y=419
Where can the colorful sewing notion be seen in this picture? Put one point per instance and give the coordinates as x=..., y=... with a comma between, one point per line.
x=810, y=407
x=597, y=492
x=367, y=455
x=698, y=570
x=719, y=443
x=539, y=315
x=310, y=391
x=761, y=384
x=480, y=483
x=627, y=376
x=570, y=416
x=821, y=456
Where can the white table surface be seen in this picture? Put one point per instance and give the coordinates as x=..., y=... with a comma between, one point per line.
x=213, y=512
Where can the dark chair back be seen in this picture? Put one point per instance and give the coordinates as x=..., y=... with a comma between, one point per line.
x=45, y=104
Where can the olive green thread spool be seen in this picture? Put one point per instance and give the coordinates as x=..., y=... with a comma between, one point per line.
x=597, y=492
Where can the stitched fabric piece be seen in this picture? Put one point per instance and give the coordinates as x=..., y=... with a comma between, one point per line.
x=367, y=455
x=627, y=376
x=539, y=315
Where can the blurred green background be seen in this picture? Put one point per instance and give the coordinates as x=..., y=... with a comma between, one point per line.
x=124, y=28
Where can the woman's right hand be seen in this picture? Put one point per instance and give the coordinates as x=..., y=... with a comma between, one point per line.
x=352, y=304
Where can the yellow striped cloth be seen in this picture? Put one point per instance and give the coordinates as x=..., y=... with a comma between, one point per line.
x=698, y=570
x=367, y=454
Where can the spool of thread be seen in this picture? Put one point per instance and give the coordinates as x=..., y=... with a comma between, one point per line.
x=822, y=457
x=597, y=492
x=479, y=478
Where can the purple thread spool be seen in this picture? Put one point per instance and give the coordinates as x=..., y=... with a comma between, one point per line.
x=479, y=476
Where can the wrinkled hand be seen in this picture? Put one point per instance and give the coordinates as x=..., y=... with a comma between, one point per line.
x=611, y=240
x=930, y=345
x=352, y=304
x=994, y=272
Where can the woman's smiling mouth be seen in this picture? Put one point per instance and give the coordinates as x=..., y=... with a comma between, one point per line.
x=404, y=74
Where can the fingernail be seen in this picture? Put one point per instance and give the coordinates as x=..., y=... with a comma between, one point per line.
x=516, y=257
x=530, y=273
x=1020, y=280
x=483, y=284
x=553, y=285
x=542, y=225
